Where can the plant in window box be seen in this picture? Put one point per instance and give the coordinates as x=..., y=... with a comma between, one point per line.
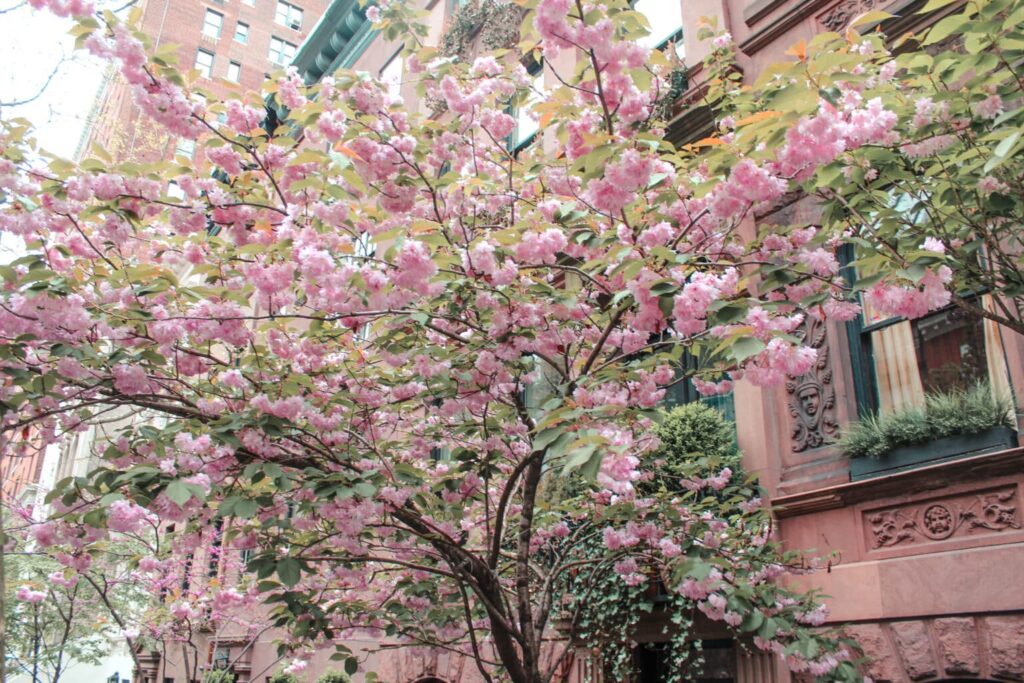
x=219, y=676
x=334, y=676
x=951, y=425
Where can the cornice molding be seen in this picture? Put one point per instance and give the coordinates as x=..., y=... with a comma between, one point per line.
x=927, y=478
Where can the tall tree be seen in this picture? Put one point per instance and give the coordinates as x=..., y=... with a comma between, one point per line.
x=416, y=372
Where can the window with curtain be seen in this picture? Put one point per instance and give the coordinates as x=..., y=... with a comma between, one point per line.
x=896, y=362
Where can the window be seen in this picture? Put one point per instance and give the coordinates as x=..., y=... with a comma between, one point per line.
x=391, y=76
x=185, y=148
x=212, y=24
x=684, y=392
x=897, y=361
x=204, y=63
x=281, y=51
x=288, y=15
x=666, y=20
x=526, y=125
x=242, y=33
x=250, y=3
x=174, y=191
x=234, y=72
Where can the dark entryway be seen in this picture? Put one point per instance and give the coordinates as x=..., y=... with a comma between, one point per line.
x=651, y=662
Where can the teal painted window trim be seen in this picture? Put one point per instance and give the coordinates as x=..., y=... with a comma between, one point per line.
x=337, y=41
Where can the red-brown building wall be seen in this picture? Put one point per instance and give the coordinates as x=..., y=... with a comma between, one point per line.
x=118, y=126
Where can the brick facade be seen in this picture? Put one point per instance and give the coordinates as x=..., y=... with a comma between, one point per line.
x=116, y=124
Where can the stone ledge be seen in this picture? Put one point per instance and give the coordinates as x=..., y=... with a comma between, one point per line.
x=903, y=483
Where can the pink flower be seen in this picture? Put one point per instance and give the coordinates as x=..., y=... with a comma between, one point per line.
x=722, y=41
x=934, y=245
x=27, y=594
x=990, y=184
x=415, y=266
x=990, y=107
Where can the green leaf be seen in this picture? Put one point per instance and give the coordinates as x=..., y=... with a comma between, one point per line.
x=245, y=508
x=933, y=5
x=945, y=28
x=289, y=571
x=578, y=457
x=179, y=492
x=745, y=347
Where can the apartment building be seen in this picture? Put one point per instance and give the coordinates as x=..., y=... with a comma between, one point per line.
x=231, y=44
x=929, y=550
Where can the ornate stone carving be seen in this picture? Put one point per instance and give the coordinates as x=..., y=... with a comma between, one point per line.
x=839, y=17
x=963, y=515
x=812, y=398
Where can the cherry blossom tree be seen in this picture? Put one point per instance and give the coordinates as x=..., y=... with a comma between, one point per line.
x=415, y=374
x=930, y=207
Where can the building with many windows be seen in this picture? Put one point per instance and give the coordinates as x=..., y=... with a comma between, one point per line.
x=232, y=44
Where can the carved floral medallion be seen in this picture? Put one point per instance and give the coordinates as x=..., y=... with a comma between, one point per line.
x=963, y=515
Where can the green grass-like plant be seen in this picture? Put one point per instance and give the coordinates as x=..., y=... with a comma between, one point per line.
x=334, y=676
x=282, y=677
x=955, y=413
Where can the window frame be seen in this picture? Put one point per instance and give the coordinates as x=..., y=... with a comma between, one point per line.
x=289, y=11
x=219, y=26
x=244, y=34
x=861, y=347
x=238, y=71
x=516, y=144
x=205, y=70
x=286, y=58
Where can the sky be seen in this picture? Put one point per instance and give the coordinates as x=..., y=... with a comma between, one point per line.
x=32, y=45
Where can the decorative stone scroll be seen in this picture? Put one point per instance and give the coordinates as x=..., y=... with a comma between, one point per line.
x=812, y=398
x=938, y=520
x=840, y=16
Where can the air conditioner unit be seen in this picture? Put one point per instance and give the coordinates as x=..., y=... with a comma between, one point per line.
x=294, y=25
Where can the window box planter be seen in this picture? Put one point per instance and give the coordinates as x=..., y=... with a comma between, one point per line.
x=933, y=452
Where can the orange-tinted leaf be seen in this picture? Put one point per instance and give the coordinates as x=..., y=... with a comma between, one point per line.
x=759, y=116
x=799, y=50
x=348, y=151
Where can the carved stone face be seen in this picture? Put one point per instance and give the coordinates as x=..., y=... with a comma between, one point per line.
x=810, y=400
x=938, y=520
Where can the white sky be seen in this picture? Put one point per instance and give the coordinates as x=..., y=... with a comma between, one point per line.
x=32, y=44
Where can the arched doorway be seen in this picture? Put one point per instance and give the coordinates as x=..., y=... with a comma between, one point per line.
x=429, y=679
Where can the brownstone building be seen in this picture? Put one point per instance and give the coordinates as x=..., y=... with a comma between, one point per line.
x=231, y=44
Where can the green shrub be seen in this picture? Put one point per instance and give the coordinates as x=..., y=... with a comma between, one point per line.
x=282, y=677
x=334, y=676
x=219, y=676
x=696, y=441
x=947, y=414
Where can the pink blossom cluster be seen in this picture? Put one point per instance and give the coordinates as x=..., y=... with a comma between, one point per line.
x=929, y=294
